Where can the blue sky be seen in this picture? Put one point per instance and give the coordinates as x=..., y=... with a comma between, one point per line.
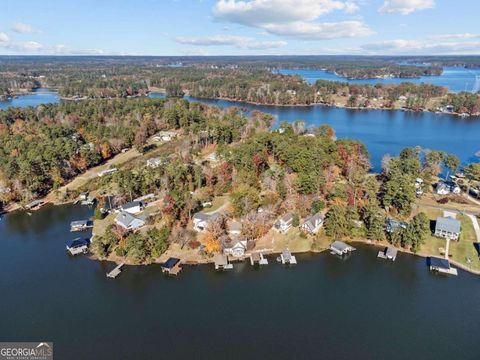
x=233, y=27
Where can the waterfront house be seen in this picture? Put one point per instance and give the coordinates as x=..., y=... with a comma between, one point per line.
x=133, y=207
x=201, y=220
x=441, y=265
x=234, y=227
x=78, y=246
x=81, y=225
x=284, y=223
x=448, y=228
x=442, y=189
x=393, y=225
x=83, y=196
x=128, y=221
x=235, y=248
x=171, y=266
x=313, y=223
x=154, y=162
x=146, y=198
x=340, y=248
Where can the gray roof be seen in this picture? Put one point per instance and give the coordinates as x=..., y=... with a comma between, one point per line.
x=79, y=223
x=132, y=204
x=340, y=245
x=220, y=260
x=287, y=255
x=311, y=220
x=391, y=251
x=287, y=217
x=448, y=224
x=201, y=216
x=126, y=219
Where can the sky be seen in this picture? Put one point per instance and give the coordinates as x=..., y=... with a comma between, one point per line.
x=234, y=27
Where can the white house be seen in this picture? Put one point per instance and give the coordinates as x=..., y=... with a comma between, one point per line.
x=154, y=162
x=284, y=223
x=128, y=221
x=448, y=228
x=107, y=171
x=313, y=223
x=201, y=220
x=165, y=136
x=133, y=207
x=237, y=249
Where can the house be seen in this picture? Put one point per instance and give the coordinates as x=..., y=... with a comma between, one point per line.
x=448, y=228
x=83, y=196
x=236, y=249
x=165, y=136
x=313, y=223
x=154, y=162
x=78, y=246
x=212, y=157
x=234, y=227
x=441, y=265
x=201, y=220
x=442, y=189
x=133, y=207
x=81, y=225
x=128, y=221
x=284, y=223
x=340, y=248
x=171, y=266
x=106, y=172
x=393, y=225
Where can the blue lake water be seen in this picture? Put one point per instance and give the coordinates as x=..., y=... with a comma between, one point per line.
x=39, y=97
x=382, y=131
x=323, y=308
x=455, y=78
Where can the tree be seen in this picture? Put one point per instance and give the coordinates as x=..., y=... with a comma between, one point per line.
x=295, y=220
x=416, y=232
x=472, y=171
x=452, y=163
x=374, y=220
x=336, y=222
x=400, y=193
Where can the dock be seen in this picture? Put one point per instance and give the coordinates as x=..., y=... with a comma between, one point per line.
x=221, y=262
x=81, y=225
x=441, y=265
x=258, y=258
x=340, y=248
x=172, y=266
x=78, y=246
x=286, y=258
x=115, y=272
x=390, y=253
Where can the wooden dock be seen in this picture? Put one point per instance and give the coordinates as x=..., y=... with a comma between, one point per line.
x=115, y=272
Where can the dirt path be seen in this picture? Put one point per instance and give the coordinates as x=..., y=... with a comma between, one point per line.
x=476, y=227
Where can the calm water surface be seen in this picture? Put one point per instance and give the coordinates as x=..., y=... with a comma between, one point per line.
x=39, y=97
x=324, y=308
x=455, y=78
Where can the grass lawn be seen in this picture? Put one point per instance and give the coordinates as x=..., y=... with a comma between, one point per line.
x=100, y=226
x=217, y=203
x=291, y=240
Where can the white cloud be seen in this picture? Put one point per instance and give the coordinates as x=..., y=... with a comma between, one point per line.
x=240, y=42
x=23, y=28
x=456, y=37
x=406, y=7
x=293, y=18
x=3, y=37
x=321, y=31
x=33, y=47
x=418, y=47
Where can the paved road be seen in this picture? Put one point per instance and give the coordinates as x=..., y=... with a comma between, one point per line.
x=475, y=225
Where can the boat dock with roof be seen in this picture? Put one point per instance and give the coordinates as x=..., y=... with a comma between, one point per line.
x=78, y=246
x=286, y=258
x=172, y=266
x=390, y=253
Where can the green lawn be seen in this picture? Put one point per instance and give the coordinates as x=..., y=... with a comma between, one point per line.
x=291, y=240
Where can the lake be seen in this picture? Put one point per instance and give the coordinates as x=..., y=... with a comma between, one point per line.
x=323, y=308
x=38, y=97
x=382, y=131
x=455, y=78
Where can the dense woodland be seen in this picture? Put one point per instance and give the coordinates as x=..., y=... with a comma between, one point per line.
x=247, y=79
